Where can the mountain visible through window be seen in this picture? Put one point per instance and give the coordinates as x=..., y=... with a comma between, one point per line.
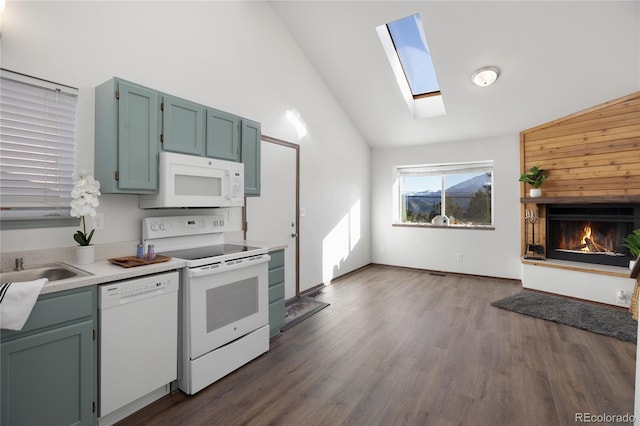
x=461, y=192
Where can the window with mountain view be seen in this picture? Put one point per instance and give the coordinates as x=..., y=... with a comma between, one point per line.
x=453, y=194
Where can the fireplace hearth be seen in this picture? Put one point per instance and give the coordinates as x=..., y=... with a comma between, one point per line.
x=591, y=233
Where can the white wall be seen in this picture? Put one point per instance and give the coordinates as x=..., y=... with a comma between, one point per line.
x=234, y=56
x=485, y=252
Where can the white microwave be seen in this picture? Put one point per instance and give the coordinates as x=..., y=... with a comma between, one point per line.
x=193, y=181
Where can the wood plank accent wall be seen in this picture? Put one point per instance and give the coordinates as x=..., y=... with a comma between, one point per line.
x=592, y=156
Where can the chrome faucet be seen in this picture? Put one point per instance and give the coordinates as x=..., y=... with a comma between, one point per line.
x=19, y=264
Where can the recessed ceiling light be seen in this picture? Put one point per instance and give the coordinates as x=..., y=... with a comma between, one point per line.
x=485, y=76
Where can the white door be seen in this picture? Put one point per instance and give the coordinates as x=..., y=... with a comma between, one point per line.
x=272, y=217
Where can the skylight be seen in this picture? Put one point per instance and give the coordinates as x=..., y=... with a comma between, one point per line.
x=411, y=46
x=405, y=46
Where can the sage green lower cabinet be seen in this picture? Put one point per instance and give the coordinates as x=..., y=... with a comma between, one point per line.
x=276, y=292
x=49, y=367
x=250, y=156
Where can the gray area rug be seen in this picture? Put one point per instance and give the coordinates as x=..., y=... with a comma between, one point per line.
x=299, y=309
x=612, y=322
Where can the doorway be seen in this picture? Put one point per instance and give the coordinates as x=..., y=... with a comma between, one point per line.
x=273, y=216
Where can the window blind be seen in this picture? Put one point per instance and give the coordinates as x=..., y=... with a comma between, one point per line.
x=446, y=169
x=37, y=147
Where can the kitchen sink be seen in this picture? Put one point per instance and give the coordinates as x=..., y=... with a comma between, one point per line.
x=52, y=271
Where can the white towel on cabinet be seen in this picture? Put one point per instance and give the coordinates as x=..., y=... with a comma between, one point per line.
x=17, y=301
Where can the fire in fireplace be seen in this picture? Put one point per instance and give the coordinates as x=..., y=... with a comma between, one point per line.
x=592, y=233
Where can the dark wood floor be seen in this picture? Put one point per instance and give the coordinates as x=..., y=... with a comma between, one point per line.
x=407, y=347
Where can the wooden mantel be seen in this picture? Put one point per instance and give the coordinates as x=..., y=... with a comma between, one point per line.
x=612, y=199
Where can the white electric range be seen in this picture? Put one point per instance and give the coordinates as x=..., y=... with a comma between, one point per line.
x=223, y=296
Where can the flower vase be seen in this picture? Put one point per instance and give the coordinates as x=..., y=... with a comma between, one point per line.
x=85, y=254
x=535, y=192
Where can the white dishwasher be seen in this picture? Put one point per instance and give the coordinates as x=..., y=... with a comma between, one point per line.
x=137, y=343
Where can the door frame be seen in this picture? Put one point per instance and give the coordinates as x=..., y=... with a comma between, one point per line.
x=296, y=147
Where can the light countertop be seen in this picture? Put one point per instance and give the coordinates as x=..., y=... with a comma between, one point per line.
x=102, y=272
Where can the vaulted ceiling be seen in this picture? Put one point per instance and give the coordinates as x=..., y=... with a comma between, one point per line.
x=556, y=58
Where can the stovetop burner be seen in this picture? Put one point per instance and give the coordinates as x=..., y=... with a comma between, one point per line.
x=209, y=251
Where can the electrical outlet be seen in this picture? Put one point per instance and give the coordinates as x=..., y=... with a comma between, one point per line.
x=98, y=222
x=459, y=257
x=621, y=297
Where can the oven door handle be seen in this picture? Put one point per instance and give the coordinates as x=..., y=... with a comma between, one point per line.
x=229, y=265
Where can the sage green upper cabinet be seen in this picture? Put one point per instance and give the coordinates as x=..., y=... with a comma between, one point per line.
x=182, y=126
x=134, y=122
x=223, y=135
x=250, y=149
x=127, y=131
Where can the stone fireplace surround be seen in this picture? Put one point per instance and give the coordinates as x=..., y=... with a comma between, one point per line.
x=591, y=157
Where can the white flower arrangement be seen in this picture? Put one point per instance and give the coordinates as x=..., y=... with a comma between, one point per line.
x=85, y=193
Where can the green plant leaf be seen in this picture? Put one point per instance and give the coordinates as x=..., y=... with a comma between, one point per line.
x=80, y=238
x=88, y=239
x=632, y=242
x=534, y=176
